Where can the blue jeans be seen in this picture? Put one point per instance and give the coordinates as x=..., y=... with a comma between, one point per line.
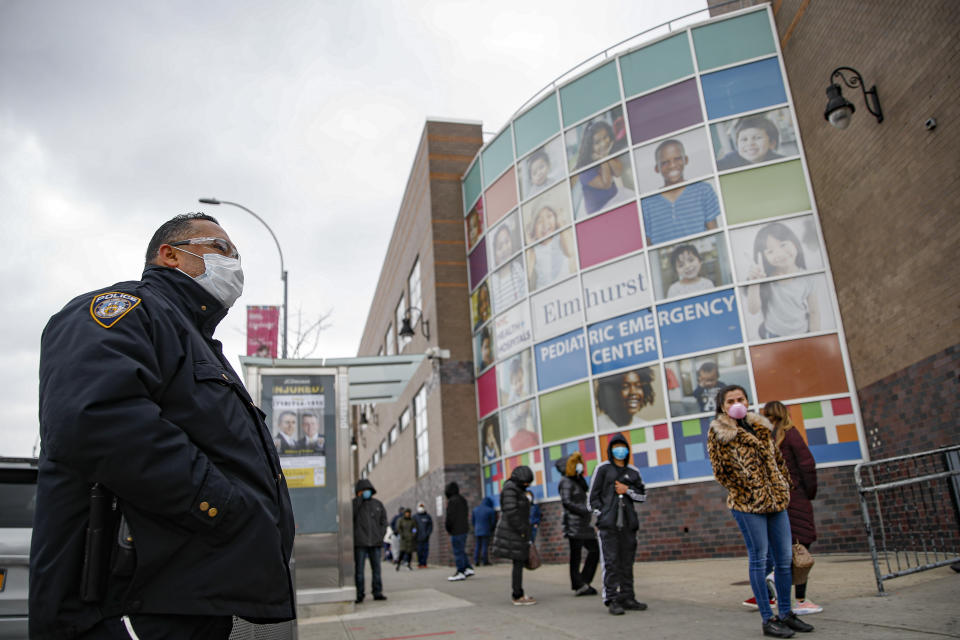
x=359, y=554
x=423, y=550
x=459, y=544
x=768, y=533
x=480, y=550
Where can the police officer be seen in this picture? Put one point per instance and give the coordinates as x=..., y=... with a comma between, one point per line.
x=161, y=507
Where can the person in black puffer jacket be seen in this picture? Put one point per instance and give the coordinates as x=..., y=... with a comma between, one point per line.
x=457, y=525
x=511, y=539
x=576, y=523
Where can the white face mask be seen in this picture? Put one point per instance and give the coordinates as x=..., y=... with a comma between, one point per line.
x=421, y=510
x=579, y=467
x=222, y=277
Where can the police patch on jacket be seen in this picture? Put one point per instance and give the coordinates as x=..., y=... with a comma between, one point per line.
x=108, y=308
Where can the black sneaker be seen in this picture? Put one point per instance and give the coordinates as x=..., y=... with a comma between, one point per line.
x=379, y=596
x=359, y=599
x=774, y=627
x=615, y=609
x=796, y=623
x=586, y=590
x=633, y=605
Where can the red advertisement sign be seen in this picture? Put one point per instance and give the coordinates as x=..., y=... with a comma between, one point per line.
x=262, y=329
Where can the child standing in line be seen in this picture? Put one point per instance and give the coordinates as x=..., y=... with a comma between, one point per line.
x=789, y=307
x=686, y=262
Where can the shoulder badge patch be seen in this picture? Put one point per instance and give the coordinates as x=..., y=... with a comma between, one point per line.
x=108, y=308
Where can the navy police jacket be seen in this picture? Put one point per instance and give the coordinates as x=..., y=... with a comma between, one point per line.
x=135, y=394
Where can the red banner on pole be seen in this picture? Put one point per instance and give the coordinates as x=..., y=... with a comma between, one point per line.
x=263, y=325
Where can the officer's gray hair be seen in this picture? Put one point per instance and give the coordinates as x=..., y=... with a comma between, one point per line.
x=175, y=228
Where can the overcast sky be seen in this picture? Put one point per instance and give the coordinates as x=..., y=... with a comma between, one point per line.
x=116, y=116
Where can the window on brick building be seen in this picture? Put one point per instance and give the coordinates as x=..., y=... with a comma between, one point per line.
x=420, y=424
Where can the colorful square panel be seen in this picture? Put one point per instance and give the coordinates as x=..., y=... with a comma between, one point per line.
x=534, y=460
x=799, y=368
x=609, y=235
x=566, y=413
x=744, y=88
x=690, y=438
x=765, y=192
x=560, y=452
x=478, y=264
x=656, y=65
x=700, y=323
x=561, y=360
x=501, y=198
x=471, y=186
x=663, y=111
x=729, y=41
x=589, y=93
x=487, y=392
x=650, y=449
x=536, y=125
x=497, y=156
x=622, y=341
x=830, y=429
x=493, y=481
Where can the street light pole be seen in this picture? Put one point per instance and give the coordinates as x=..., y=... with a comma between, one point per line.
x=283, y=272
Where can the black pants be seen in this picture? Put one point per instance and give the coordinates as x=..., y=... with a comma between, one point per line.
x=516, y=579
x=618, y=547
x=578, y=576
x=161, y=627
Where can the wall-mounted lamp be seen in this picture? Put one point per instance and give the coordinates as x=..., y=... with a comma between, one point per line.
x=353, y=443
x=839, y=110
x=406, y=329
x=365, y=422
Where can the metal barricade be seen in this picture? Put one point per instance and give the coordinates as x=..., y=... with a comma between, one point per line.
x=911, y=511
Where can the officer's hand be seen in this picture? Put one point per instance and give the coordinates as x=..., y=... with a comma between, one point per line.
x=621, y=488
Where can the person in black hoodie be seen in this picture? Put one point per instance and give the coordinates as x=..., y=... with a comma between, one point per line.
x=576, y=523
x=511, y=539
x=616, y=486
x=457, y=525
x=369, y=527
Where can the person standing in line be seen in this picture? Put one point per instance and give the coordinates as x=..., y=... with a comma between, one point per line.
x=750, y=467
x=576, y=524
x=146, y=428
x=395, y=536
x=407, y=530
x=511, y=539
x=535, y=517
x=616, y=486
x=803, y=489
x=369, y=527
x=424, y=529
x=484, y=518
x=457, y=525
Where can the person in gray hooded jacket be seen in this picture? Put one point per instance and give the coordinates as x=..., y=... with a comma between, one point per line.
x=369, y=527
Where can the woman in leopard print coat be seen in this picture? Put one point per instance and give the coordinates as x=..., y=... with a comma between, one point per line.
x=748, y=464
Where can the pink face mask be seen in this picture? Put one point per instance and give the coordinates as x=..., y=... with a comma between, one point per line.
x=737, y=411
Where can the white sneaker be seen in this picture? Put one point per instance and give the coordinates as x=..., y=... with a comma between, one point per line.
x=469, y=572
x=457, y=576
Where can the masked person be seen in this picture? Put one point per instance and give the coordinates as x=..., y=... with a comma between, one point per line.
x=424, y=530
x=369, y=527
x=161, y=510
x=748, y=464
x=576, y=524
x=616, y=486
x=511, y=539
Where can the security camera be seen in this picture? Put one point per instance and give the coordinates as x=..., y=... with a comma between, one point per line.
x=437, y=352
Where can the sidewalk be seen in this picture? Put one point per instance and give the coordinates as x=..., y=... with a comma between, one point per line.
x=687, y=598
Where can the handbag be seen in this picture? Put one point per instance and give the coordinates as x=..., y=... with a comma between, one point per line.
x=533, y=558
x=802, y=563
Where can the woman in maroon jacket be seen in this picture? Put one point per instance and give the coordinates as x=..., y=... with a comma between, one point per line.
x=803, y=476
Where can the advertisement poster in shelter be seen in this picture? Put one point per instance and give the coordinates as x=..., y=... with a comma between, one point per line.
x=262, y=328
